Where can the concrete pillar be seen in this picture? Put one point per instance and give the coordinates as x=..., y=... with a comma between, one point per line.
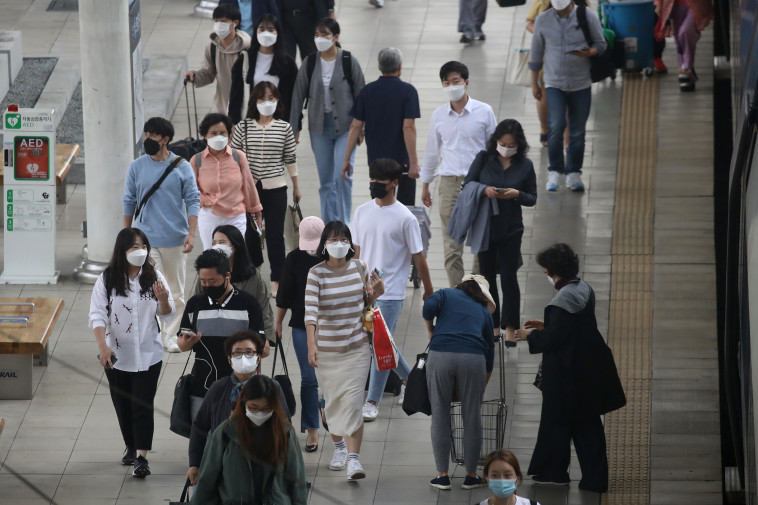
x=108, y=126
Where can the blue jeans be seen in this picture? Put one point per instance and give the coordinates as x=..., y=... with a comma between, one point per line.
x=309, y=413
x=336, y=193
x=391, y=313
x=578, y=105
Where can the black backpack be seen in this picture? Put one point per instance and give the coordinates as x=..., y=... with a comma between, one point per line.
x=602, y=65
x=347, y=70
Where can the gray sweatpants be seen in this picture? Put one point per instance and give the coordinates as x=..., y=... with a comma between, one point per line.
x=471, y=15
x=467, y=373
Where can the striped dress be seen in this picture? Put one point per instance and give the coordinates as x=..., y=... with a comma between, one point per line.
x=334, y=303
x=269, y=150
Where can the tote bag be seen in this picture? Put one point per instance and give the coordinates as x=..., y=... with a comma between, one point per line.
x=180, y=421
x=384, y=349
x=518, y=66
x=292, y=225
x=416, y=390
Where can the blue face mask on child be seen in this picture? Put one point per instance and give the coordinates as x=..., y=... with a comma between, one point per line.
x=503, y=488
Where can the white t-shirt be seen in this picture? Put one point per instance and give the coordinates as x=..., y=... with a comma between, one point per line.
x=262, y=67
x=327, y=69
x=519, y=501
x=387, y=236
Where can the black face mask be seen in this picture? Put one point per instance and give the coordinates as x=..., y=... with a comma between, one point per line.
x=215, y=292
x=378, y=189
x=151, y=147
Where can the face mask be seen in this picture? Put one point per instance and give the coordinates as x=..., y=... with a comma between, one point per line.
x=222, y=29
x=503, y=488
x=226, y=249
x=378, y=189
x=137, y=258
x=455, y=93
x=551, y=281
x=151, y=147
x=215, y=292
x=559, y=5
x=323, y=44
x=259, y=418
x=266, y=39
x=337, y=249
x=218, y=142
x=266, y=108
x=244, y=365
x=506, y=152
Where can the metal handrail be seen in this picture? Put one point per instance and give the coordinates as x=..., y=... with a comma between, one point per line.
x=20, y=304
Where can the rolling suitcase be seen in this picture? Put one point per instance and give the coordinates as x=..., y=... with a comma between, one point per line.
x=189, y=146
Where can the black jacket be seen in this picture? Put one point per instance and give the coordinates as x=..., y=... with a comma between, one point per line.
x=285, y=69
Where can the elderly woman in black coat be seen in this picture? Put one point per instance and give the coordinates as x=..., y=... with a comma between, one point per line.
x=579, y=380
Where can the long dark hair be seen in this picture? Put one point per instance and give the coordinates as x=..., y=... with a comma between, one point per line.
x=279, y=62
x=471, y=288
x=335, y=229
x=242, y=269
x=506, y=127
x=116, y=272
x=272, y=447
x=257, y=93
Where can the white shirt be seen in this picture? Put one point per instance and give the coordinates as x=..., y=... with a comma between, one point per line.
x=519, y=501
x=387, y=236
x=262, y=67
x=131, y=331
x=327, y=69
x=456, y=138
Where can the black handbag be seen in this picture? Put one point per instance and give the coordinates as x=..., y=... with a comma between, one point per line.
x=181, y=410
x=416, y=389
x=284, y=380
x=185, y=495
x=602, y=65
x=253, y=242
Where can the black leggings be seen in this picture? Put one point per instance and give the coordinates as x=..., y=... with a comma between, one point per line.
x=274, y=202
x=504, y=259
x=132, y=394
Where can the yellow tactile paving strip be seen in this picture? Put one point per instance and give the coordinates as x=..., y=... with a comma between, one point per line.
x=631, y=302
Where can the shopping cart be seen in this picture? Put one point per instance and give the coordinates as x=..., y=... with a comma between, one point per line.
x=494, y=415
x=425, y=225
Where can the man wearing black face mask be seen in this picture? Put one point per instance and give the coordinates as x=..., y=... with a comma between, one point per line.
x=212, y=315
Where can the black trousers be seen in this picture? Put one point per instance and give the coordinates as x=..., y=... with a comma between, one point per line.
x=504, y=259
x=274, y=202
x=132, y=394
x=298, y=33
x=552, y=452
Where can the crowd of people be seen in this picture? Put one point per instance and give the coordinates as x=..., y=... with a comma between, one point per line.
x=235, y=194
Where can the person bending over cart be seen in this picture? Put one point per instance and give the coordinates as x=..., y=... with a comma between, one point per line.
x=461, y=357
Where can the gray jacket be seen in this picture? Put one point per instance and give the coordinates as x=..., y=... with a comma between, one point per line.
x=342, y=96
x=471, y=216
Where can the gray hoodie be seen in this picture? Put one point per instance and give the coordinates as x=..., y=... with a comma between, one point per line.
x=221, y=69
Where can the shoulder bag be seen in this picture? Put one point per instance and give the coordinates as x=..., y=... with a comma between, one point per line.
x=284, y=380
x=602, y=65
x=416, y=389
x=518, y=73
x=180, y=420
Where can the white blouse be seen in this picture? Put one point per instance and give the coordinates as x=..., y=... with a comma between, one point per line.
x=131, y=330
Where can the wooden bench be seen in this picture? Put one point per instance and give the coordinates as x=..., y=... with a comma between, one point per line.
x=25, y=328
x=65, y=155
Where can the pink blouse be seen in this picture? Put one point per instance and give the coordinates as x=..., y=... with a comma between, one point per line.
x=225, y=186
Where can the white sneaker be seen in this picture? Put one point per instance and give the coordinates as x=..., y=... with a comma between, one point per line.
x=370, y=412
x=171, y=345
x=354, y=470
x=401, y=398
x=574, y=181
x=338, y=460
x=553, y=181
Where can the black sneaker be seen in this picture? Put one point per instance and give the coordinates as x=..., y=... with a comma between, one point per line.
x=441, y=482
x=473, y=482
x=465, y=39
x=141, y=468
x=129, y=456
x=552, y=482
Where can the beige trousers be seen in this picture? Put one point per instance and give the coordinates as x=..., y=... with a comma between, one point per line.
x=450, y=188
x=172, y=263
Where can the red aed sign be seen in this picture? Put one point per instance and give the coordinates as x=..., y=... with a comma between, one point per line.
x=32, y=158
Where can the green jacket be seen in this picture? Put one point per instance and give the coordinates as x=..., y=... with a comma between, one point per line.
x=225, y=473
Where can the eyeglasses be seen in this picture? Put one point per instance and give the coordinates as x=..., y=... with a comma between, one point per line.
x=247, y=354
x=258, y=411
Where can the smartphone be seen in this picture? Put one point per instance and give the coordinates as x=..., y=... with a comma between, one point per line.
x=378, y=272
x=188, y=332
x=500, y=190
x=113, y=359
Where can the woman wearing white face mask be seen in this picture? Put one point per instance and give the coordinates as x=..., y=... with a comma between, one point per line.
x=125, y=301
x=337, y=344
x=254, y=457
x=510, y=180
x=267, y=60
x=269, y=145
x=227, y=190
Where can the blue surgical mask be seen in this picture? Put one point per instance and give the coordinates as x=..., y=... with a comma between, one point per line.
x=502, y=488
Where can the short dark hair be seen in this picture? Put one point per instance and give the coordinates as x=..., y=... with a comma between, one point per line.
x=227, y=11
x=212, y=119
x=213, y=258
x=560, y=260
x=328, y=23
x=159, y=126
x=332, y=229
x=509, y=127
x=241, y=336
x=385, y=169
x=471, y=288
x=453, y=66
x=257, y=93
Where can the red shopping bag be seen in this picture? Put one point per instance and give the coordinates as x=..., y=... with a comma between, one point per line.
x=385, y=353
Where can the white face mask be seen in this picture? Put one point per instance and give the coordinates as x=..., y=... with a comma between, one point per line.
x=218, y=142
x=454, y=93
x=222, y=29
x=244, y=365
x=323, y=44
x=266, y=39
x=258, y=418
x=551, y=281
x=137, y=258
x=337, y=249
x=226, y=249
x=559, y=5
x=266, y=108
x=506, y=152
